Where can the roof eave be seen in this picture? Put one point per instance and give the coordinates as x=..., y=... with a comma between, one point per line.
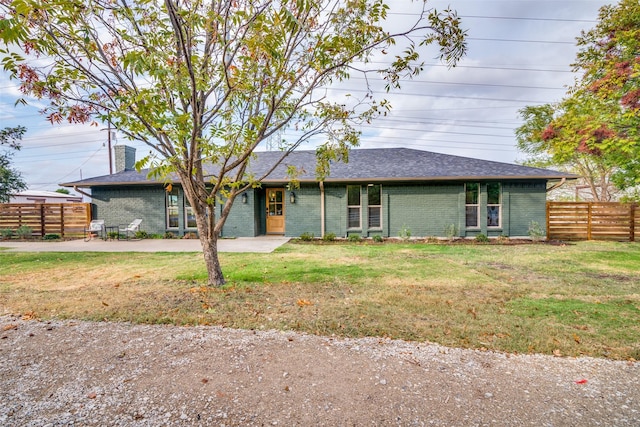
x=430, y=179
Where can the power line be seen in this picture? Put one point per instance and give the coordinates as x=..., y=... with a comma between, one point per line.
x=586, y=21
x=429, y=95
x=521, y=41
x=516, y=18
x=413, y=81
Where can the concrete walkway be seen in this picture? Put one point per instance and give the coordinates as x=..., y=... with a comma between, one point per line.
x=263, y=244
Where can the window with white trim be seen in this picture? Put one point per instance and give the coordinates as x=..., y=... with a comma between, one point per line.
x=374, y=202
x=494, y=205
x=472, y=204
x=353, y=206
x=172, y=208
x=189, y=215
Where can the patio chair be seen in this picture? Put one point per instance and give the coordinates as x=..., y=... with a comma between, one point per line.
x=94, y=229
x=129, y=231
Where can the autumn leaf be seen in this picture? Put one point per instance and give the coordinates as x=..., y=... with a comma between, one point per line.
x=29, y=315
x=582, y=381
x=557, y=353
x=576, y=338
x=303, y=302
x=9, y=327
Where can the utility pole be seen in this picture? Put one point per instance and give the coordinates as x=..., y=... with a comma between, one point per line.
x=108, y=129
x=109, y=145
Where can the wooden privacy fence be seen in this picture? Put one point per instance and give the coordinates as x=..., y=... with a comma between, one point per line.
x=592, y=221
x=65, y=219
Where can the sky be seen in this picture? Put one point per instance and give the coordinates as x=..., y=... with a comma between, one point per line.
x=519, y=54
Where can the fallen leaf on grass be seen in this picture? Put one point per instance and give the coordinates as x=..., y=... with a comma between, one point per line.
x=29, y=315
x=576, y=338
x=105, y=304
x=303, y=302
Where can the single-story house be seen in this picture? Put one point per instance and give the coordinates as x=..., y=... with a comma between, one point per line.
x=378, y=192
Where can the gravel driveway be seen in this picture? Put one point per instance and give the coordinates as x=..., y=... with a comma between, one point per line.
x=115, y=374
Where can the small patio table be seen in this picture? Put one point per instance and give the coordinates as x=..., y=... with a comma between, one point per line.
x=112, y=233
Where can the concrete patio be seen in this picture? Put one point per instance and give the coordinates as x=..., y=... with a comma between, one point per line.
x=262, y=244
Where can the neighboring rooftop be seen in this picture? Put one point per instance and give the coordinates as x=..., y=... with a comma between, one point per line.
x=39, y=196
x=375, y=164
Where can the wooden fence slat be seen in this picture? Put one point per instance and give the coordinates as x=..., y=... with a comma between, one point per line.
x=592, y=221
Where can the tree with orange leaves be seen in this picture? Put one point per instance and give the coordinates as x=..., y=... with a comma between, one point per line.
x=595, y=130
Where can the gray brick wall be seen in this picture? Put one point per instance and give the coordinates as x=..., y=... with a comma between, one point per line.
x=304, y=215
x=528, y=203
x=241, y=221
x=121, y=205
x=425, y=209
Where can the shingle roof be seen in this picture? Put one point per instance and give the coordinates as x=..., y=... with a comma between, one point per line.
x=376, y=164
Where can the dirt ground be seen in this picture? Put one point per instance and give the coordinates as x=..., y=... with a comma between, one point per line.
x=115, y=374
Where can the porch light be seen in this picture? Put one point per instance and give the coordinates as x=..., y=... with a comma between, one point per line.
x=292, y=197
x=244, y=198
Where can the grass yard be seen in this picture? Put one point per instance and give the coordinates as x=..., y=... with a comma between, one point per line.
x=576, y=299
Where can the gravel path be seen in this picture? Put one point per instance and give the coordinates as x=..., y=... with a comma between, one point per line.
x=114, y=374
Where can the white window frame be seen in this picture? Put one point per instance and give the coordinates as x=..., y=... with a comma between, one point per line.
x=378, y=207
x=359, y=207
x=169, y=208
x=494, y=205
x=187, y=208
x=468, y=205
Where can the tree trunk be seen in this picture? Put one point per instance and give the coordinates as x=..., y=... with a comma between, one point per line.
x=206, y=220
x=210, y=252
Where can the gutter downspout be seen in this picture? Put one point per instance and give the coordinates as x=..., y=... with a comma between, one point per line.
x=81, y=192
x=558, y=185
x=322, y=208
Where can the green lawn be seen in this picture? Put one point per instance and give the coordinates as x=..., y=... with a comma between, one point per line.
x=576, y=299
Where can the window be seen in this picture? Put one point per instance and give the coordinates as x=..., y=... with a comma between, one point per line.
x=374, y=200
x=189, y=215
x=353, y=206
x=276, y=202
x=493, y=204
x=472, y=204
x=172, y=208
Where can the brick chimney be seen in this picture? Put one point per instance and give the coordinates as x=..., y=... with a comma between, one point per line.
x=125, y=157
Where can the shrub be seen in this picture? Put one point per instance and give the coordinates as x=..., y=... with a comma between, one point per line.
x=405, y=233
x=190, y=235
x=169, y=235
x=140, y=234
x=536, y=232
x=451, y=231
x=306, y=237
x=23, y=231
x=503, y=238
x=481, y=238
x=6, y=233
x=377, y=238
x=329, y=237
x=51, y=237
x=112, y=235
x=355, y=238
